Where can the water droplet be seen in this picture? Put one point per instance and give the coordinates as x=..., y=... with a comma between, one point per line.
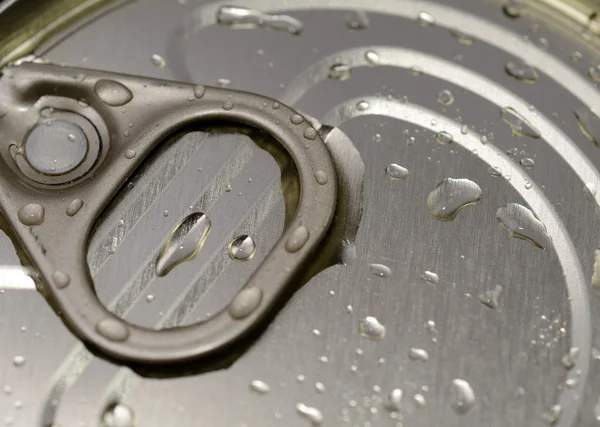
x=321, y=177
x=7, y=390
x=60, y=279
x=418, y=355
x=276, y=105
x=150, y=298
x=184, y=243
x=464, y=129
x=320, y=387
x=522, y=72
x=521, y=223
x=130, y=154
x=371, y=328
x=242, y=248
x=372, y=58
x=519, y=124
x=228, y=188
x=357, y=20
x=396, y=172
x=569, y=359
x=430, y=277
x=199, y=91
x=463, y=38
x=527, y=163
x=316, y=332
x=594, y=73
x=310, y=134
x=380, y=270
x=312, y=415
x=259, y=387
x=112, y=93
x=158, y=61
x=222, y=82
x=227, y=105
x=426, y=19
x=340, y=72
x=245, y=302
x=420, y=400
x=74, y=207
x=552, y=417
x=31, y=214
x=543, y=43
x=83, y=102
x=589, y=124
x=450, y=196
x=513, y=9
x=445, y=97
x=597, y=410
x=444, y=138
x=490, y=297
x=494, y=171
x=362, y=106
x=118, y=415
x=240, y=17
x=464, y=397
x=297, y=239
x=18, y=361
x=113, y=329
x=393, y=401
x=296, y=119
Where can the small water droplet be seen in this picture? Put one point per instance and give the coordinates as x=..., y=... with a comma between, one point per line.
x=490, y=297
x=297, y=239
x=594, y=73
x=420, y=400
x=7, y=390
x=464, y=397
x=18, y=361
x=112, y=93
x=130, y=154
x=372, y=58
x=150, y=298
x=371, y=328
x=445, y=97
x=245, y=302
x=521, y=71
x=242, y=248
x=418, y=355
x=118, y=415
x=464, y=129
x=310, y=134
x=74, y=207
x=569, y=359
x=543, y=43
x=227, y=105
x=321, y=177
x=519, y=124
x=223, y=82
x=340, y=72
x=312, y=415
x=83, y=102
x=396, y=172
x=380, y=270
x=199, y=91
x=31, y=214
x=552, y=417
x=60, y=279
x=296, y=119
x=521, y=223
x=430, y=277
x=494, y=171
x=184, y=243
x=320, y=387
x=240, y=17
x=450, y=196
x=158, y=61
x=527, y=162
x=444, y=137
x=228, y=188
x=259, y=387
x=356, y=20
x=393, y=401
x=426, y=19
x=112, y=329
x=316, y=332
x=513, y=9
x=362, y=106
x=463, y=38
x=589, y=124
x=71, y=137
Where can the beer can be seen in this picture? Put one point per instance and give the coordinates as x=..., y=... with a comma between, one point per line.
x=299, y=213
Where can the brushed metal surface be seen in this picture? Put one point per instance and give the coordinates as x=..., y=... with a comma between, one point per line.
x=511, y=355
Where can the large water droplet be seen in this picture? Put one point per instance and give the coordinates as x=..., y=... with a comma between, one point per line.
x=521, y=223
x=418, y=354
x=589, y=123
x=356, y=20
x=527, y=163
x=31, y=214
x=244, y=17
x=445, y=97
x=519, y=124
x=245, y=302
x=112, y=93
x=430, y=277
x=444, y=138
x=259, y=387
x=490, y=297
x=450, y=196
x=340, y=72
x=184, y=243
x=242, y=248
x=380, y=270
x=158, y=61
x=297, y=239
x=312, y=415
x=371, y=328
x=60, y=279
x=521, y=71
x=74, y=207
x=396, y=172
x=118, y=415
x=113, y=329
x=464, y=397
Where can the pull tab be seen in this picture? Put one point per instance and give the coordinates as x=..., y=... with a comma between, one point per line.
x=66, y=149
